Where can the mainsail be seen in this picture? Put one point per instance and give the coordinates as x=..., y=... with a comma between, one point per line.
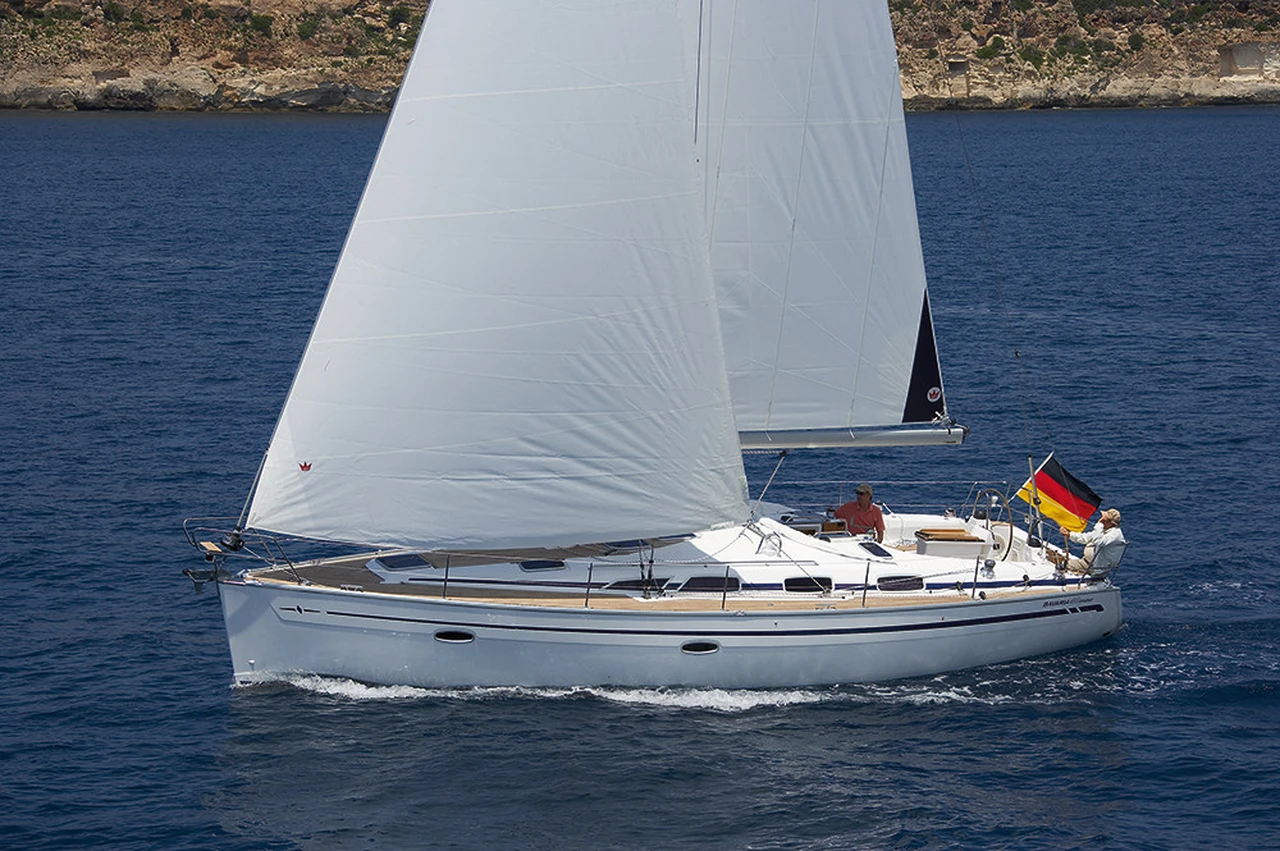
x=519, y=346
x=811, y=212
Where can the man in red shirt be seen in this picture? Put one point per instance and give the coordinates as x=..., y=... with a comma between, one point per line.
x=861, y=516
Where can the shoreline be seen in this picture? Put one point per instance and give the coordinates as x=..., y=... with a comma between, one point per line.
x=156, y=93
x=303, y=56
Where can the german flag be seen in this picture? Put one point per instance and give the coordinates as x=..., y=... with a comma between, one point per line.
x=1062, y=497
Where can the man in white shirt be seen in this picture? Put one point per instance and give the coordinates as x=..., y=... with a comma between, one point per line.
x=1104, y=545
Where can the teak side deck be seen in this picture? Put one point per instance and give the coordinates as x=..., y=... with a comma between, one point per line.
x=356, y=577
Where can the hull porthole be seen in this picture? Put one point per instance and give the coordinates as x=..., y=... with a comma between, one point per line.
x=699, y=648
x=455, y=636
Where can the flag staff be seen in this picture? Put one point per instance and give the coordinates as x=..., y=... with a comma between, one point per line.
x=1035, y=494
x=1035, y=499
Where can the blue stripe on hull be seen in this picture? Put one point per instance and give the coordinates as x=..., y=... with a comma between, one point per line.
x=1057, y=611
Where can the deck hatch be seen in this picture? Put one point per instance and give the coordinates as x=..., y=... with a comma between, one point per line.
x=403, y=561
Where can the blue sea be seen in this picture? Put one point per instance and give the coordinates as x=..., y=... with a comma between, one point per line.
x=1105, y=285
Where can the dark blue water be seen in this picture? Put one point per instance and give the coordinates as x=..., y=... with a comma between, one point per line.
x=1105, y=284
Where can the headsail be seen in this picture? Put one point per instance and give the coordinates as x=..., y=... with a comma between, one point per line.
x=519, y=345
x=811, y=210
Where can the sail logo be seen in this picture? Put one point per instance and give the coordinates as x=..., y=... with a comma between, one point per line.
x=304, y=466
x=935, y=393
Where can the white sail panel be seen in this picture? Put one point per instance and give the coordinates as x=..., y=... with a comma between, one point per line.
x=810, y=205
x=519, y=346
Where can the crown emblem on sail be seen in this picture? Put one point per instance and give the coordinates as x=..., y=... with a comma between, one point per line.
x=304, y=466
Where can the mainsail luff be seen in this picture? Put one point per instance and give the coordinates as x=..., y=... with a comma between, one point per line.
x=811, y=210
x=519, y=346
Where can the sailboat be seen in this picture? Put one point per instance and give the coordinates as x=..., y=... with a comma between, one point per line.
x=604, y=248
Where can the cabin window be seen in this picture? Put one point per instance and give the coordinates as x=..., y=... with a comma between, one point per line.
x=403, y=561
x=638, y=584
x=718, y=584
x=900, y=583
x=807, y=584
x=541, y=564
x=875, y=549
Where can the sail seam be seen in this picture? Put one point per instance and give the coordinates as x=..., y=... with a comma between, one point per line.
x=795, y=203
x=713, y=183
x=894, y=92
x=520, y=210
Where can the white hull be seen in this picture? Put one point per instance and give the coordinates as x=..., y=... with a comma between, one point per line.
x=277, y=629
x=275, y=632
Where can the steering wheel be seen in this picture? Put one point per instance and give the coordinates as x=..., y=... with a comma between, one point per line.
x=996, y=503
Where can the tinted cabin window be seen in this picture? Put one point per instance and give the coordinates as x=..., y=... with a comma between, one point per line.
x=900, y=583
x=541, y=564
x=718, y=584
x=807, y=584
x=638, y=584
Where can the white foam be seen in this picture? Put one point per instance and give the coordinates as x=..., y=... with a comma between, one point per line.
x=352, y=690
x=928, y=694
x=719, y=700
x=1153, y=669
x=937, y=691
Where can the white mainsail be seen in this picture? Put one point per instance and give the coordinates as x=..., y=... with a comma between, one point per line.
x=811, y=210
x=519, y=346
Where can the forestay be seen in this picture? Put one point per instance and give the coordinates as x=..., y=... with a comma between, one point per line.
x=519, y=345
x=810, y=206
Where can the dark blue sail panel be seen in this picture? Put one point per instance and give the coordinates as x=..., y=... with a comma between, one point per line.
x=925, y=401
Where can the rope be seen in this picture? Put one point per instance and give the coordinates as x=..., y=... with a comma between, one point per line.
x=759, y=499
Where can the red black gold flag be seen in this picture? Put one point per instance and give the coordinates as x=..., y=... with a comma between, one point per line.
x=1062, y=497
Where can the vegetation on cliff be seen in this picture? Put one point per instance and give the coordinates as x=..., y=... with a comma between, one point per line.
x=221, y=54
x=302, y=54
x=1087, y=52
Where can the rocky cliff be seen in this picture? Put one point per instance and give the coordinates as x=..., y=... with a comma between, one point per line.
x=1027, y=53
x=303, y=54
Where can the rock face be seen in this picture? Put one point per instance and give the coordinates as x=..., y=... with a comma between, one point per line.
x=218, y=55
x=1042, y=53
x=305, y=55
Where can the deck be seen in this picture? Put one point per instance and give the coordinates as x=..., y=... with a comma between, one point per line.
x=354, y=576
